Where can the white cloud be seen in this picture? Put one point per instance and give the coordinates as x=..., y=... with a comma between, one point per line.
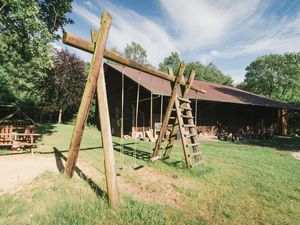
x=202, y=30
x=129, y=26
x=202, y=24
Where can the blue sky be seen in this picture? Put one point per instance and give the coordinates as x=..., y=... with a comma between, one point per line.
x=229, y=33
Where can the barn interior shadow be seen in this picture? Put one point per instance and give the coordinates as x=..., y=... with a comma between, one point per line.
x=60, y=166
x=131, y=150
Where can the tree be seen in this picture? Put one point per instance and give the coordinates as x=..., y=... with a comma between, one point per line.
x=136, y=52
x=173, y=61
x=275, y=76
x=63, y=86
x=6, y=93
x=208, y=73
x=26, y=31
x=214, y=75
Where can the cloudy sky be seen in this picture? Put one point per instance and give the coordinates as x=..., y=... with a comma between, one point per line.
x=229, y=33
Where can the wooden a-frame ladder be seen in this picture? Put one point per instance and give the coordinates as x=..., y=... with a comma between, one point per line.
x=182, y=120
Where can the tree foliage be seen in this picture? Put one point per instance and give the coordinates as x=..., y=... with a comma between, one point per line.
x=208, y=72
x=63, y=86
x=27, y=29
x=136, y=52
x=172, y=61
x=275, y=76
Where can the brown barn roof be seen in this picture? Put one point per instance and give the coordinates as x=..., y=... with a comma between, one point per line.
x=215, y=92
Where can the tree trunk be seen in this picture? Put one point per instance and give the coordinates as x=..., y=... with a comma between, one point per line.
x=59, y=116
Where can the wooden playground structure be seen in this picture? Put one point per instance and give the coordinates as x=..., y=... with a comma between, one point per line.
x=17, y=134
x=178, y=104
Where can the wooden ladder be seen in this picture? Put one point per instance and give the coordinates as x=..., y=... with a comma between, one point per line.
x=182, y=120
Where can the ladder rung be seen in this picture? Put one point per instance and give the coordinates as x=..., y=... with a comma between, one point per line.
x=174, y=109
x=189, y=125
x=190, y=135
x=183, y=100
x=193, y=144
x=172, y=118
x=186, y=108
x=185, y=116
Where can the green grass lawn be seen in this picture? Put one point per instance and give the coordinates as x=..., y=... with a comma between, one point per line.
x=251, y=182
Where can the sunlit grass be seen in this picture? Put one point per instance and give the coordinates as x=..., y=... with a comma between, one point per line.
x=243, y=183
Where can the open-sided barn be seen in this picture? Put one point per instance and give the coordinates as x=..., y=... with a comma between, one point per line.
x=228, y=106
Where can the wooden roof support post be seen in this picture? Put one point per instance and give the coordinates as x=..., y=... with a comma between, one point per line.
x=88, y=94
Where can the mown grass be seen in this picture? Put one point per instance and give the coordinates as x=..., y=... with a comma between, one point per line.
x=244, y=183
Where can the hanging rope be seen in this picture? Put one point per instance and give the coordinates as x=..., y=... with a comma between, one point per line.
x=196, y=110
x=136, y=119
x=122, y=122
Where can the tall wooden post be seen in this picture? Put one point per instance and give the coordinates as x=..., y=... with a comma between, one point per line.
x=88, y=94
x=283, y=119
x=82, y=115
x=122, y=105
x=109, y=159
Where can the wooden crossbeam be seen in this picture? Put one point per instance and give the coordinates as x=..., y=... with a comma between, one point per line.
x=96, y=77
x=88, y=46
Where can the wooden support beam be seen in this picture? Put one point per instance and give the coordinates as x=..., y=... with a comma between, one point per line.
x=88, y=94
x=283, y=119
x=175, y=128
x=87, y=46
x=89, y=91
x=109, y=159
x=168, y=111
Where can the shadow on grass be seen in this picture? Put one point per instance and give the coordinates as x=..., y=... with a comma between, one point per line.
x=60, y=166
x=130, y=150
x=66, y=150
x=280, y=143
x=45, y=128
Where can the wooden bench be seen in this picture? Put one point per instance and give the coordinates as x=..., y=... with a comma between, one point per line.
x=6, y=135
x=16, y=138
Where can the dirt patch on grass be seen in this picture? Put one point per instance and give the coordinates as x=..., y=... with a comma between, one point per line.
x=17, y=170
x=153, y=186
x=296, y=155
x=145, y=184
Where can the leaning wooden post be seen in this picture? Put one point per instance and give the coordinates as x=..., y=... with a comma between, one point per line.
x=109, y=159
x=88, y=94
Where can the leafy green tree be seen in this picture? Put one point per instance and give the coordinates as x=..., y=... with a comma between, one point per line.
x=275, y=76
x=63, y=86
x=26, y=31
x=6, y=93
x=208, y=73
x=173, y=61
x=136, y=52
x=213, y=74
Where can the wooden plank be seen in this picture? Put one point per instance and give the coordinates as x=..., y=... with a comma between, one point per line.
x=88, y=94
x=109, y=159
x=168, y=111
x=87, y=46
x=150, y=136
